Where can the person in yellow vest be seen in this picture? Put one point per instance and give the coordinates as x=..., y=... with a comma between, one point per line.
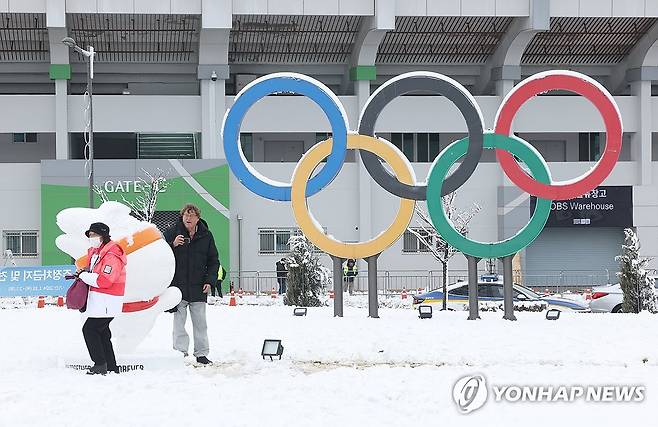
x=217, y=288
x=350, y=270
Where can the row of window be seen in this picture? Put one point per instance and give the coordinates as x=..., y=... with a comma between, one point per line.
x=417, y=147
x=425, y=147
x=25, y=138
x=274, y=241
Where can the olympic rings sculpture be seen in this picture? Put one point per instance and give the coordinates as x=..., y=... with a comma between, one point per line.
x=402, y=183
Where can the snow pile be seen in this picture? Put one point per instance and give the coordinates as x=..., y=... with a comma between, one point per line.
x=385, y=371
x=15, y=302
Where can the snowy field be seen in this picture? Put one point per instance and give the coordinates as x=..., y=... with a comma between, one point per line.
x=393, y=371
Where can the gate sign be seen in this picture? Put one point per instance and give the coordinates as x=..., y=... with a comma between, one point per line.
x=45, y=281
x=604, y=206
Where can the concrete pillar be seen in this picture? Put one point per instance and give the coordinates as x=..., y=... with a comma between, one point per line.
x=216, y=23
x=503, y=87
x=62, y=151
x=213, y=107
x=60, y=73
x=641, y=140
x=362, y=88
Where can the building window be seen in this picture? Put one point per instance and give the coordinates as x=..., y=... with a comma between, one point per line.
x=322, y=136
x=274, y=241
x=411, y=244
x=589, y=146
x=417, y=147
x=247, y=144
x=427, y=147
x=21, y=243
x=25, y=138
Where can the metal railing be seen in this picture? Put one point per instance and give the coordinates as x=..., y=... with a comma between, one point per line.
x=392, y=282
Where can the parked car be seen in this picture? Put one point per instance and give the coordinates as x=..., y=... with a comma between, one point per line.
x=490, y=288
x=608, y=299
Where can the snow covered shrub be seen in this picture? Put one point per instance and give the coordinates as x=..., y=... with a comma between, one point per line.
x=306, y=276
x=637, y=286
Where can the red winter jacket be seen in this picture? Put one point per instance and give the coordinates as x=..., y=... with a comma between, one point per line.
x=106, y=291
x=111, y=269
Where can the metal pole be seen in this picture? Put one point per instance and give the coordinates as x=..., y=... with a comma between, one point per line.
x=473, y=309
x=373, y=305
x=90, y=79
x=508, y=288
x=338, y=286
x=239, y=218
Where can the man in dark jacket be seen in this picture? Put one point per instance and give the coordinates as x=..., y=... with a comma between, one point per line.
x=281, y=275
x=197, y=263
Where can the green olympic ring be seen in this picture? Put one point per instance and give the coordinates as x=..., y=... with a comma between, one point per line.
x=440, y=167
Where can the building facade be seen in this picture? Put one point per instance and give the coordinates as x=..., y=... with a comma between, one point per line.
x=167, y=70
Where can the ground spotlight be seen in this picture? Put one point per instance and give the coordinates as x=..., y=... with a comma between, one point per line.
x=425, y=311
x=299, y=311
x=553, y=314
x=272, y=348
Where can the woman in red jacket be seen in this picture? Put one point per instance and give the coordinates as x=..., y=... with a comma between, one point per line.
x=106, y=277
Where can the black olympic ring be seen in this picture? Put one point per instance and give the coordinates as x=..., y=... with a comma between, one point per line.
x=433, y=83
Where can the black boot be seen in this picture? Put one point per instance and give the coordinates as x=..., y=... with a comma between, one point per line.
x=98, y=369
x=113, y=369
x=203, y=360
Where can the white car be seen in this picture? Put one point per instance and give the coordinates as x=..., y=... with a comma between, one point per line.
x=608, y=299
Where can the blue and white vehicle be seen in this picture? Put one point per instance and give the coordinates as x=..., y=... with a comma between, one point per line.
x=490, y=289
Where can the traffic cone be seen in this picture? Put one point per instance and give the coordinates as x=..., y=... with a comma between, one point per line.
x=331, y=294
x=60, y=301
x=240, y=293
x=231, y=301
x=404, y=293
x=41, y=303
x=273, y=293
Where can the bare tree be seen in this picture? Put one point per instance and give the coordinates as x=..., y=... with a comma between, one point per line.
x=143, y=207
x=432, y=240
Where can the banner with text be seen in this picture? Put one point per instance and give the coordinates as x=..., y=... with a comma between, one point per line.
x=35, y=281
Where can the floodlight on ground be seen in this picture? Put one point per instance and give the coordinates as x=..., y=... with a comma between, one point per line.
x=272, y=348
x=425, y=311
x=553, y=314
x=299, y=311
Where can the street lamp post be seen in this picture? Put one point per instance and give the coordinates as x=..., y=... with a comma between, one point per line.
x=89, y=54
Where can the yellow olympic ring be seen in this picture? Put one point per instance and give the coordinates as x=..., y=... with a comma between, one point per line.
x=310, y=226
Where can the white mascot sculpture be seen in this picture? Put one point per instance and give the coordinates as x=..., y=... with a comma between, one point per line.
x=149, y=270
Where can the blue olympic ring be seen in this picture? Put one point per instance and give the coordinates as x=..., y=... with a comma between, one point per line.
x=296, y=84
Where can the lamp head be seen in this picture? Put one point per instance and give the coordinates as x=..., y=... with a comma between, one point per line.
x=68, y=41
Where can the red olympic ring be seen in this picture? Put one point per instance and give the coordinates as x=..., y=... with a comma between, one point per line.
x=581, y=85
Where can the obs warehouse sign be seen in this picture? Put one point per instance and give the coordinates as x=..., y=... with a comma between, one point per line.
x=602, y=207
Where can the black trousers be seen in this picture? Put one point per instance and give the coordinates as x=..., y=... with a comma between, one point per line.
x=216, y=289
x=97, y=337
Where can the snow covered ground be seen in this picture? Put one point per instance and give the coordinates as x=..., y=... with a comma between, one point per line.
x=392, y=371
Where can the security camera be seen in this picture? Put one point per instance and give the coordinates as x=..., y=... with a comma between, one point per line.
x=213, y=76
